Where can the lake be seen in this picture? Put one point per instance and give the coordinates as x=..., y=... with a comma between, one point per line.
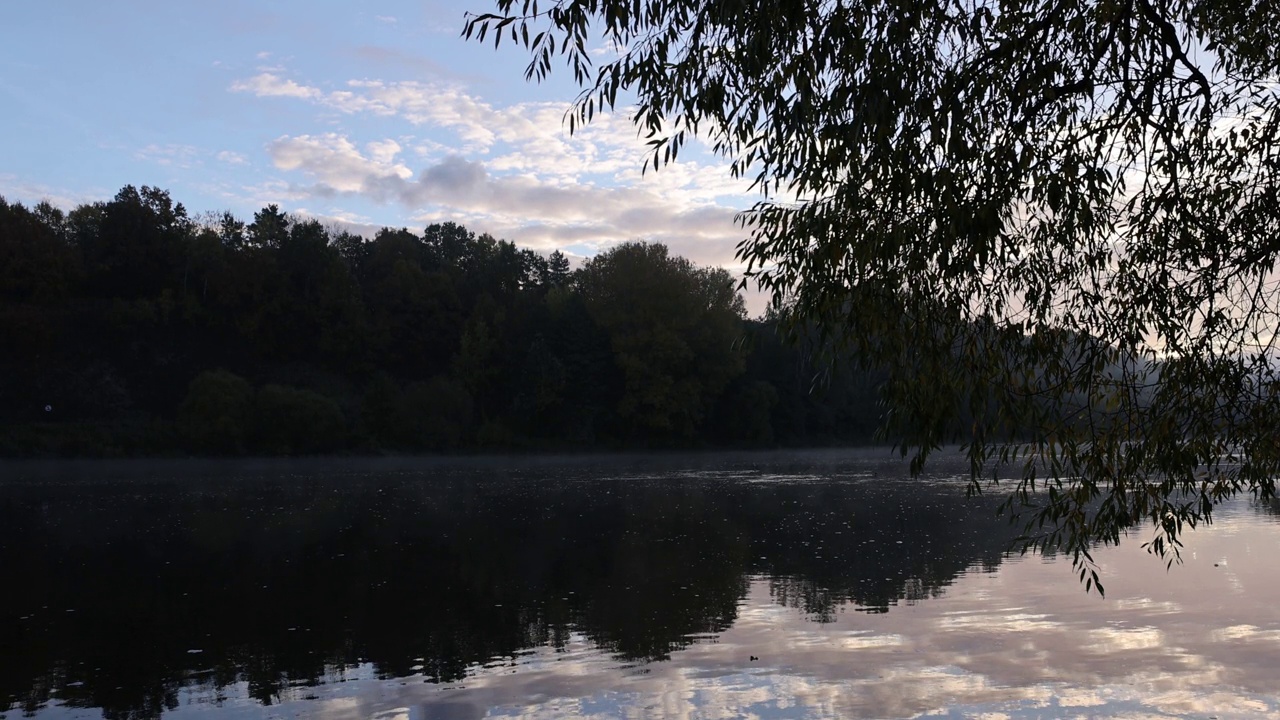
x=779, y=585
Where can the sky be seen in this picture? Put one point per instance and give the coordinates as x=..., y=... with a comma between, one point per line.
x=363, y=114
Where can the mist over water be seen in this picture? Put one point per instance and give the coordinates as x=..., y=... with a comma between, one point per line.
x=780, y=585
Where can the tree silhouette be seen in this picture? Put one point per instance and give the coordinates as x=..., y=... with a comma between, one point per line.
x=1027, y=212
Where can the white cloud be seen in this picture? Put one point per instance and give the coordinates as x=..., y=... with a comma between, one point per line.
x=513, y=171
x=525, y=138
x=170, y=155
x=337, y=164
x=388, y=19
x=519, y=207
x=383, y=151
x=15, y=190
x=341, y=220
x=271, y=85
x=232, y=158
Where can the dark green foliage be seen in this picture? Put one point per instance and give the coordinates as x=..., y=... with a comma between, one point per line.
x=673, y=329
x=282, y=336
x=36, y=263
x=135, y=250
x=746, y=414
x=215, y=415
x=290, y=421
x=435, y=415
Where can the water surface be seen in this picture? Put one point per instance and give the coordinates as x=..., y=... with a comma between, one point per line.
x=766, y=585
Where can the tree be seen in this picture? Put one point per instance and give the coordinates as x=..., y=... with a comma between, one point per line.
x=557, y=269
x=1057, y=215
x=672, y=327
x=270, y=227
x=293, y=421
x=214, y=416
x=35, y=264
x=132, y=252
x=413, y=304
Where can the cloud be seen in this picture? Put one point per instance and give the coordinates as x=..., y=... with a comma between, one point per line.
x=520, y=207
x=388, y=19
x=232, y=158
x=271, y=85
x=170, y=155
x=528, y=138
x=513, y=171
x=14, y=189
x=338, y=164
x=341, y=220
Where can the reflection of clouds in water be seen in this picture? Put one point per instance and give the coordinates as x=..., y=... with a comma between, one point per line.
x=1079, y=698
x=859, y=641
x=580, y=686
x=1246, y=632
x=1025, y=642
x=339, y=708
x=1008, y=620
x=1148, y=605
x=1016, y=645
x=1003, y=653
x=1117, y=639
x=1214, y=704
x=774, y=694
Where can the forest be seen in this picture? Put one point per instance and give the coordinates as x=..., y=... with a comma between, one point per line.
x=133, y=328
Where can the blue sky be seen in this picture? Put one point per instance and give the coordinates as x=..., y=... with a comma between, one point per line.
x=368, y=114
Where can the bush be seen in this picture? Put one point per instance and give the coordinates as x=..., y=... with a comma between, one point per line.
x=290, y=421
x=381, y=421
x=437, y=414
x=214, y=416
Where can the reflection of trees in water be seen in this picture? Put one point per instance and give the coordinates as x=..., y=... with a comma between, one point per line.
x=869, y=546
x=281, y=584
x=821, y=604
x=1266, y=506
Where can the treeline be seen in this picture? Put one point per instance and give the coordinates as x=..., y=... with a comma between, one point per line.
x=129, y=327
